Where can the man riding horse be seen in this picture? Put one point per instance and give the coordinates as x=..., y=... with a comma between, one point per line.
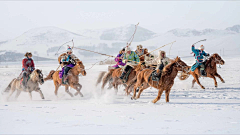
x=131, y=59
x=143, y=53
x=119, y=58
x=27, y=68
x=161, y=62
x=199, y=53
x=68, y=61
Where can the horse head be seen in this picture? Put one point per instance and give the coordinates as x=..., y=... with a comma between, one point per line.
x=81, y=68
x=37, y=75
x=218, y=59
x=181, y=66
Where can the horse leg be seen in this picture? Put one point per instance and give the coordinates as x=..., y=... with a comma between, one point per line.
x=40, y=92
x=160, y=91
x=217, y=75
x=67, y=90
x=213, y=77
x=11, y=92
x=18, y=93
x=77, y=87
x=167, y=92
x=193, y=82
x=141, y=90
x=30, y=94
x=56, y=87
x=196, y=79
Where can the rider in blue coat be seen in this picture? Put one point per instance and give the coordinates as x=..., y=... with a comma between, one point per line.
x=199, y=55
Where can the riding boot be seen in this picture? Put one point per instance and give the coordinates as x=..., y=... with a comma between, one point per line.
x=64, y=79
x=203, y=73
x=125, y=72
x=24, y=81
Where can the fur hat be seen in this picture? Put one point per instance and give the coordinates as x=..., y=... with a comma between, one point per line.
x=69, y=49
x=201, y=47
x=121, y=51
x=28, y=54
x=139, y=47
x=128, y=49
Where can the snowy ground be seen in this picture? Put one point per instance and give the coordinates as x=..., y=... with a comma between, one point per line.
x=192, y=111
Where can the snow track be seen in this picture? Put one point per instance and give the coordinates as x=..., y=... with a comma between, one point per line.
x=191, y=110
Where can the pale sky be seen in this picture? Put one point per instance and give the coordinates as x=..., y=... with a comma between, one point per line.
x=157, y=16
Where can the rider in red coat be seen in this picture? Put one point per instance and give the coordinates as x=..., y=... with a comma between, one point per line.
x=27, y=68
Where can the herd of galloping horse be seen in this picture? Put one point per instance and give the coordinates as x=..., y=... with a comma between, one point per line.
x=138, y=80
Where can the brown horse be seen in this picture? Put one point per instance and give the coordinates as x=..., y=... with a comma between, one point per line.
x=36, y=78
x=165, y=83
x=114, y=76
x=210, y=69
x=72, y=79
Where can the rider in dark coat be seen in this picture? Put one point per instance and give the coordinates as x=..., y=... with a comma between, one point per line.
x=27, y=68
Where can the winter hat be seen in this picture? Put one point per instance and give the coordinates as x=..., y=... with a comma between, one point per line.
x=69, y=49
x=201, y=47
x=139, y=47
x=128, y=49
x=28, y=54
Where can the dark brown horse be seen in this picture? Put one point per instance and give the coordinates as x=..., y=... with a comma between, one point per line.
x=210, y=69
x=165, y=83
x=73, y=80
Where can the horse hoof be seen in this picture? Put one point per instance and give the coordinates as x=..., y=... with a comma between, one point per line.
x=203, y=87
x=215, y=86
x=223, y=81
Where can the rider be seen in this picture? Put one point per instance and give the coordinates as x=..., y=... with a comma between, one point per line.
x=131, y=59
x=148, y=56
x=140, y=52
x=69, y=61
x=199, y=53
x=161, y=62
x=27, y=68
x=119, y=58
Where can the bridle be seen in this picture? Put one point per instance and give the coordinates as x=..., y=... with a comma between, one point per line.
x=181, y=66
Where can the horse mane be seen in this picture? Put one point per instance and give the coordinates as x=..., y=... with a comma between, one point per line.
x=168, y=69
x=34, y=74
x=210, y=59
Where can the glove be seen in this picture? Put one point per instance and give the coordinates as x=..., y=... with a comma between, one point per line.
x=143, y=63
x=208, y=54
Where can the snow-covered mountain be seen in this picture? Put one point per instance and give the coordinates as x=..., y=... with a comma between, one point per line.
x=235, y=28
x=120, y=33
x=46, y=41
x=124, y=33
x=193, y=32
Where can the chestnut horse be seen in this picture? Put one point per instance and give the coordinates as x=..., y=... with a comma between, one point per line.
x=210, y=69
x=166, y=81
x=72, y=79
x=114, y=75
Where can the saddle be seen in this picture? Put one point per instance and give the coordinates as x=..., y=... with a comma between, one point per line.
x=125, y=78
x=154, y=76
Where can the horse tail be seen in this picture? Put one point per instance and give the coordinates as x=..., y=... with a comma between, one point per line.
x=106, y=78
x=49, y=77
x=9, y=86
x=100, y=76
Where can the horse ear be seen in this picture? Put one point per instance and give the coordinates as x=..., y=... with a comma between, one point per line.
x=79, y=62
